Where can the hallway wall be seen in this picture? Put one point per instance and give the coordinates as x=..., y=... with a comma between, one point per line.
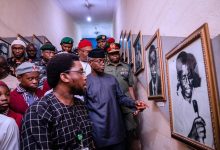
x=176, y=20
x=39, y=17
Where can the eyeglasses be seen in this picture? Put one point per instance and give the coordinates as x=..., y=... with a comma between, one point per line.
x=77, y=71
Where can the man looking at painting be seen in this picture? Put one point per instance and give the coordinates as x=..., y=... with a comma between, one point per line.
x=122, y=72
x=188, y=79
x=155, y=82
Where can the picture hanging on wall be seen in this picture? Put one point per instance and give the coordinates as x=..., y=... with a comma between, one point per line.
x=4, y=48
x=125, y=56
x=121, y=43
x=192, y=91
x=129, y=48
x=138, y=54
x=155, y=71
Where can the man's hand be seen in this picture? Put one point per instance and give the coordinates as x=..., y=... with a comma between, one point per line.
x=140, y=105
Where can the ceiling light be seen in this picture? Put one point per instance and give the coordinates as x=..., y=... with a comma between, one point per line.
x=89, y=19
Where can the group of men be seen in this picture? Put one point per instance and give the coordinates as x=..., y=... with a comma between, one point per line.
x=68, y=101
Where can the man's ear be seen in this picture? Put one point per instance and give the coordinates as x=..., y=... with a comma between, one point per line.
x=64, y=77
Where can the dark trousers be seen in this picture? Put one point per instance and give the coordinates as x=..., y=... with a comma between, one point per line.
x=119, y=146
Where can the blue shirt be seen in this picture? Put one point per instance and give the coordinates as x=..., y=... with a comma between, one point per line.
x=103, y=99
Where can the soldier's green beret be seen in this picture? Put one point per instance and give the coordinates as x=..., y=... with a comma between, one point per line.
x=48, y=46
x=101, y=37
x=66, y=40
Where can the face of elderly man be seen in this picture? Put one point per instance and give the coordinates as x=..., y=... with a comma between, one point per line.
x=18, y=50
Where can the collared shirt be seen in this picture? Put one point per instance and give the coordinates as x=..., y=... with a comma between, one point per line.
x=86, y=67
x=9, y=135
x=28, y=97
x=122, y=73
x=103, y=98
x=49, y=124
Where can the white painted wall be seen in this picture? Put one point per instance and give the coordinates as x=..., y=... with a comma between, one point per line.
x=39, y=17
x=173, y=17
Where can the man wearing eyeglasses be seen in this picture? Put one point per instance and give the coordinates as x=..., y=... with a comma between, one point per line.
x=101, y=41
x=103, y=99
x=18, y=51
x=60, y=120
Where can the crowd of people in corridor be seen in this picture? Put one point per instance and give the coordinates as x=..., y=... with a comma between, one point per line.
x=67, y=100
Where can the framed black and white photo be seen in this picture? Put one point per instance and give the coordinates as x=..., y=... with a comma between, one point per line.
x=4, y=48
x=125, y=56
x=129, y=49
x=138, y=54
x=121, y=41
x=192, y=91
x=154, y=67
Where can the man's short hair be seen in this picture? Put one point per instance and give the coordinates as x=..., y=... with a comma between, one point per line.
x=31, y=45
x=151, y=50
x=58, y=64
x=189, y=60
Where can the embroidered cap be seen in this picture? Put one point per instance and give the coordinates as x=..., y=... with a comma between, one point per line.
x=26, y=67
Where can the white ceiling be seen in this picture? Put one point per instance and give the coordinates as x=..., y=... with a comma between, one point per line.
x=101, y=12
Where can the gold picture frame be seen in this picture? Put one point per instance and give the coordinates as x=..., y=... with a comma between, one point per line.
x=138, y=54
x=192, y=92
x=154, y=67
x=121, y=43
x=129, y=48
x=125, y=56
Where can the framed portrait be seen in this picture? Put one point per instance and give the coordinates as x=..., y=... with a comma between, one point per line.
x=138, y=54
x=26, y=41
x=125, y=57
x=154, y=67
x=129, y=49
x=4, y=48
x=192, y=92
x=121, y=41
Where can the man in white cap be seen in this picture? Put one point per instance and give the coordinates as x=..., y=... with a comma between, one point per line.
x=18, y=51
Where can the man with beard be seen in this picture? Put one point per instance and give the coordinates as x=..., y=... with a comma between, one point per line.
x=59, y=120
x=155, y=82
x=103, y=98
x=32, y=53
x=18, y=51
